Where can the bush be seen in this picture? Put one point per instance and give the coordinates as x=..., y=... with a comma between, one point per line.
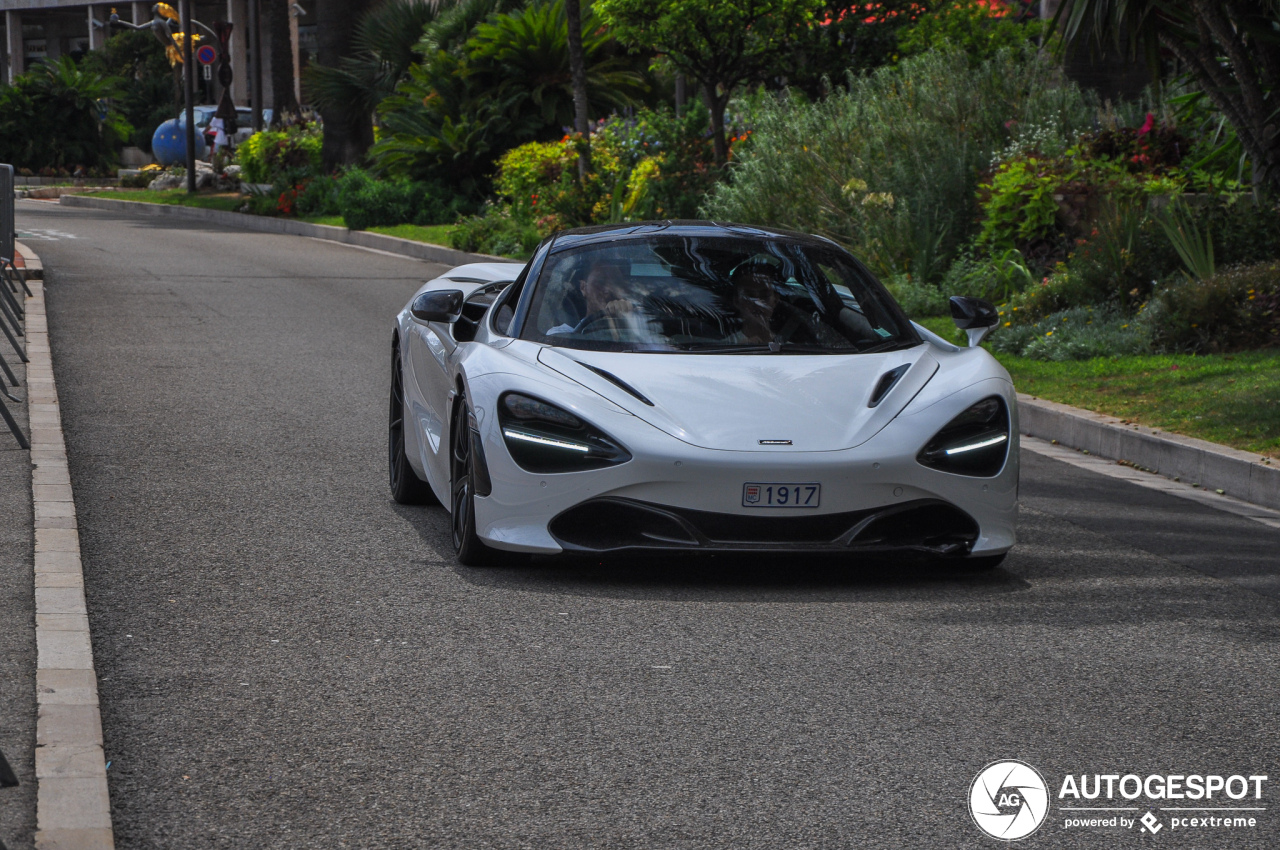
x=918, y=300
x=889, y=165
x=319, y=196
x=365, y=201
x=980, y=29
x=1234, y=310
x=56, y=117
x=278, y=157
x=644, y=166
x=1078, y=333
x=495, y=231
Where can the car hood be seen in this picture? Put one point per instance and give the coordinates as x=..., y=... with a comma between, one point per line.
x=733, y=402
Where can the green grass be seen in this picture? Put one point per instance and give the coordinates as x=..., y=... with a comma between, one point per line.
x=177, y=197
x=437, y=234
x=1230, y=399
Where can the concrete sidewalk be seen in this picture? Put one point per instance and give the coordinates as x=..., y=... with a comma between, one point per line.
x=52, y=735
x=17, y=620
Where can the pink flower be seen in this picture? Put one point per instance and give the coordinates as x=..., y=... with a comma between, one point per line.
x=1147, y=125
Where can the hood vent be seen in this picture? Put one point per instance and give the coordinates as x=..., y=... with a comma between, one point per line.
x=886, y=382
x=618, y=382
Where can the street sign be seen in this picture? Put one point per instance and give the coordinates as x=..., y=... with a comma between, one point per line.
x=208, y=72
x=206, y=54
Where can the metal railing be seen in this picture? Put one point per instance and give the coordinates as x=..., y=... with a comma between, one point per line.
x=13, y=286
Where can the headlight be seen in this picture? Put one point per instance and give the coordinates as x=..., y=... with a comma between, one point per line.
x=974, y=443
x=543, y=438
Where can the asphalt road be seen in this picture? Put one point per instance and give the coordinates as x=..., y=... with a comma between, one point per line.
x=288, y=659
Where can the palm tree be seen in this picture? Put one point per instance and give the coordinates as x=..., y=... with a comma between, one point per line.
x=1229, y=48
x=348, y=126
x=578, y=71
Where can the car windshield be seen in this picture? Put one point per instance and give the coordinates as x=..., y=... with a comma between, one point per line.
x=713, y=294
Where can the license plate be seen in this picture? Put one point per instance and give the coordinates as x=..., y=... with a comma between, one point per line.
x=756, y=494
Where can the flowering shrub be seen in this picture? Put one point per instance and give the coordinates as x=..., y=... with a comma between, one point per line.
x=1077, y=333
x=275, y=155
x=643, y=166
x=1236, y=309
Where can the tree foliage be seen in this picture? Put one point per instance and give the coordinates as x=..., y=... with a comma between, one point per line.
x=508, y=83
x=1229, y=47
x=719, y=43
x=57, y=116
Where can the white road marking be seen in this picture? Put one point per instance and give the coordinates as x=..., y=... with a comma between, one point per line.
x=1153, y=481
x=46, y=235
x=370, y=250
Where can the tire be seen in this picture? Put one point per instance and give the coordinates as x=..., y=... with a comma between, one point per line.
x=983, y=563
x=469, y=549
x=406, y=487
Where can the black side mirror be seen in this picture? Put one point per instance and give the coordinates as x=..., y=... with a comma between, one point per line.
x=974, y=316
x=973, y=312
x=437, y=305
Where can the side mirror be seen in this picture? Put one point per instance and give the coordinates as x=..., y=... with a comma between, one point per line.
x=974, y=316
x=437, y=305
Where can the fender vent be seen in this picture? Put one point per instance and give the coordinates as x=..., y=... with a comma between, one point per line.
x=886, y=383
x=618, y=382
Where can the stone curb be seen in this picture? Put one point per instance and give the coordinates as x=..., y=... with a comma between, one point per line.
x=31, y=264
x=266, y=224
x=1197, y=462
x=73, y=808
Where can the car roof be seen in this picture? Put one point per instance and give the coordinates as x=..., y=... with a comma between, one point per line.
x=602, y=233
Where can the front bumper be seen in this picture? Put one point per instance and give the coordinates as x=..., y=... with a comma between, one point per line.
x=876, y=498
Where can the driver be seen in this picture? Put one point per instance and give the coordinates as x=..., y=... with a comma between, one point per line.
x=604, y=292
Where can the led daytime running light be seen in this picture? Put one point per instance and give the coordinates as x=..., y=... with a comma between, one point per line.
x=972, y=446
x=544, y=441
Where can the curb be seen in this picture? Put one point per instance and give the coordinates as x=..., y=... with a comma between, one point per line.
x=31, y=265
x=265, y=224
x=73, y=807
x=1198, y=462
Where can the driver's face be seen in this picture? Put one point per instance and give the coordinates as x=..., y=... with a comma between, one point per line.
x=600, y=287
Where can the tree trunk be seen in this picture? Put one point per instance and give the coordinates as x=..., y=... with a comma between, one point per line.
x=716, y=103
x=348, y=133
x=277, y=24
x=578, y=72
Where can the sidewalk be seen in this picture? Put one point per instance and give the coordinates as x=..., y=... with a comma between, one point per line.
x=17, y=621
x=52, y=732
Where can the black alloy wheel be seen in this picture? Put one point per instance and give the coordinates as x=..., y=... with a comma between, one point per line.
x=406, y=487
x=467, y=545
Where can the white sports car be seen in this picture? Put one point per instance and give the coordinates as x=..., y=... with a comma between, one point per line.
x=696, y=386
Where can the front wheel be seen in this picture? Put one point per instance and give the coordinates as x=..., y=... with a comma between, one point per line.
x=467, y=545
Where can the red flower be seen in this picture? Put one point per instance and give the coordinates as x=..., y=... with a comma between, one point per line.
x=1147, y=125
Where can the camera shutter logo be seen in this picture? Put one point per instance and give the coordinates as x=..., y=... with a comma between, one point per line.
x=1008, y=800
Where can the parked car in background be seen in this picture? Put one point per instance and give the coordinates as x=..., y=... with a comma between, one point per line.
x=244, y=121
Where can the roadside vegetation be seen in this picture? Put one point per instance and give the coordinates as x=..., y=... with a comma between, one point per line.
x=945, y=142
